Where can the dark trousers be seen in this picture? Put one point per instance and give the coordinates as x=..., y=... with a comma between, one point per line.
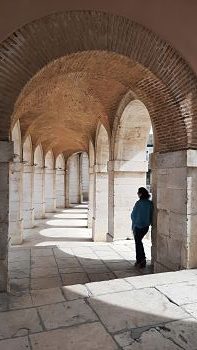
x=139, y=234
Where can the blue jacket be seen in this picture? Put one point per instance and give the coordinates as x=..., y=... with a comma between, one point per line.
x=142, y=213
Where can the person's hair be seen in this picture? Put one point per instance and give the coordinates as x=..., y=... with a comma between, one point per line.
x=144, y=193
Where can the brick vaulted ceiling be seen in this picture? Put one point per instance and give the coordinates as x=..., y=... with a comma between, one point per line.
x=63, y=73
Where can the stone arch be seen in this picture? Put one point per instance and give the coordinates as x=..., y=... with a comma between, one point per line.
x=127, y=170
x=102, y=148
x=38, y=156
x=131, y=136
x=27, y=150
x=100, y=213
x=60, y=162
x=161, y=78
x=16, y=138
x=49, y=160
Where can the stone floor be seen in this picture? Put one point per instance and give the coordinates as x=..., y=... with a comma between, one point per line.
x=66, y=294
x=59, y=251
x=152, y=312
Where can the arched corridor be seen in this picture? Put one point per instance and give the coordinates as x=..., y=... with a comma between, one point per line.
x=96, y=101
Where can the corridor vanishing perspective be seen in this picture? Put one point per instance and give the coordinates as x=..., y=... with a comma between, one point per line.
x=59, y=251
x=97, y=99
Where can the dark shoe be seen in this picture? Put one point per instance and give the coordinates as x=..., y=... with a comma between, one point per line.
x=142, y=264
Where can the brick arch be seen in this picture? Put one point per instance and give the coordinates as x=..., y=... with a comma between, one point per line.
x=168, y=89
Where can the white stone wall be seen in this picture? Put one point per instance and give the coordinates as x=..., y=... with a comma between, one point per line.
x=174, y=195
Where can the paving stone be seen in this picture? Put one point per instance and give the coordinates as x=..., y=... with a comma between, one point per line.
x=182, y=332
x=25, y=273
x=47, y=282
x=112, y=286
x=4, y=302
x=161, y=278
x=65, y=263
x=119, y=266
x=91, y=262
x=124, y=339
x=21, y=343
x=19, y=284
x=77, y=291
x=84, y=337
x=44, y=271
x=19, y=323
x=43, y=261
x=95, y=277
x=41, y=252
x=191, y=309
x=135, y=308
x=19, y=254
x=63, y=252
x=96, y=269
x=19, y=265
x=20, y=301
x=181, y=293
x=128, y=273
x=152, y=340
x=74, y=278
x=70, y=270
x=66, y=314
x=46, y=296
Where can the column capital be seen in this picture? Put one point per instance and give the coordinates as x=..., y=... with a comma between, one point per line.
x=100, y=168
x=6, y=151
x=128, y=166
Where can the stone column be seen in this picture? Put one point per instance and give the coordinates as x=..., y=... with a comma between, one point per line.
x=125, y=177
x=74, y=179
x=60, y=188
x=174, y=235
x=28, y=209
x=6, y=155
x=50, y=193
x=100, y=214
x=84, y=176
x=38, y=193
x=16, y=203
x=91, y=196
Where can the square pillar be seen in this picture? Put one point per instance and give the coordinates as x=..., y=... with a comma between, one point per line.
x=100, y=215
x=174, y=237
x=125, y=177
x=15, y=203
x=91, y=196
x=38, y=193
x=50, y=195
x=6, y=155
x=28, y=210
x=60, y=188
